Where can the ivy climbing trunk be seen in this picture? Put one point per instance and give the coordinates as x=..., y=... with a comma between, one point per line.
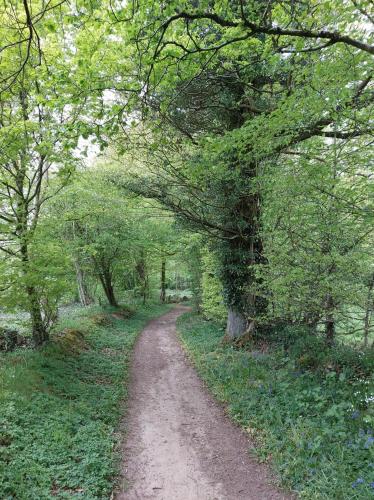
x=239, y=257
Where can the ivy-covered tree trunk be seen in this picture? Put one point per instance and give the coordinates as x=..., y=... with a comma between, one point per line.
x=239, y=257
x=241, y=285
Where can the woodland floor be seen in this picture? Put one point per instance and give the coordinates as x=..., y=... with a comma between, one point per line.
x=180, y=445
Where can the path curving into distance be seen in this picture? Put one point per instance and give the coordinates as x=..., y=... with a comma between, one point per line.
x=180, y=445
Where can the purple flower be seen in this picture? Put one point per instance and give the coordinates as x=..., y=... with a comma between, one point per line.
x=369, y=442
x=355, y=414
x=357, y=482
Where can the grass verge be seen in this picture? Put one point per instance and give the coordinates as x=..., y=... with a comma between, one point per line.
x=60, y=406
x=315, y=428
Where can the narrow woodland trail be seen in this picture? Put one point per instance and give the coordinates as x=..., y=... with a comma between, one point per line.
x=180, y=445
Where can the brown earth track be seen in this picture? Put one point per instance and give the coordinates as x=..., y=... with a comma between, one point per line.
x=180, y=445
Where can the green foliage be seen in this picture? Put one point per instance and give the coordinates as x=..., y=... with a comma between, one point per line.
x=277, y=150
x=212, y=304
x=60, y=407
x=317, y=239
x=314, y=427
x=250, y=123
x=193, y=258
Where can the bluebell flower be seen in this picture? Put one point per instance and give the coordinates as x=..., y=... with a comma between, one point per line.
x=372, y=485
x=369, y=442
x=358, y=481
x=355, y=414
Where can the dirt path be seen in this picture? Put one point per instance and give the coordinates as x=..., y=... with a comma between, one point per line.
x=180, y=445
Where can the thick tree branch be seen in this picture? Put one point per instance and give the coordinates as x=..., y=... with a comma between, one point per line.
x=332, y=36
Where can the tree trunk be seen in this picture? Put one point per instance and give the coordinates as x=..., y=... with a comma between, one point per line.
x=110, y=296
x=84, y=295
x=236, y=324
x=368, y=312
x=141, y=271
x=39, y=332
x=106, y=281
x=238, y=259
x=163, y=282
x=330, y=321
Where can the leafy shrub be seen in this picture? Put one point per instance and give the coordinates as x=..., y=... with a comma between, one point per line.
x=309, y=351
x=102, y=319
x=10, y=339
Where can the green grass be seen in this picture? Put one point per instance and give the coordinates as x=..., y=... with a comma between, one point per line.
x=60, y=406
x=314, y=427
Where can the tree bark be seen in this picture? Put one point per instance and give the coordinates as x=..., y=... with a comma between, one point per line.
x=143, y=277
x=105, y=277
x=163, y=282
x=368, y=312
x=239, y=257
x=39, y=331
x=330, y=320
x=84, y=296
x=106, y=281
x=103, y=271
x=236, y=324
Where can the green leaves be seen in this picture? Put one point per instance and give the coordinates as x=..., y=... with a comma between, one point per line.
x=306, y=425
x=58, y=417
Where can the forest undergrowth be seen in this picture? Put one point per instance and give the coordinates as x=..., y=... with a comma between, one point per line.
x=60, y=406
x=306, y=407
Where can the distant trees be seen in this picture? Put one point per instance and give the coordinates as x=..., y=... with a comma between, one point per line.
x=113, y=240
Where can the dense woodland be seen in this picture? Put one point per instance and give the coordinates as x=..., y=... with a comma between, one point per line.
x=219, y=152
